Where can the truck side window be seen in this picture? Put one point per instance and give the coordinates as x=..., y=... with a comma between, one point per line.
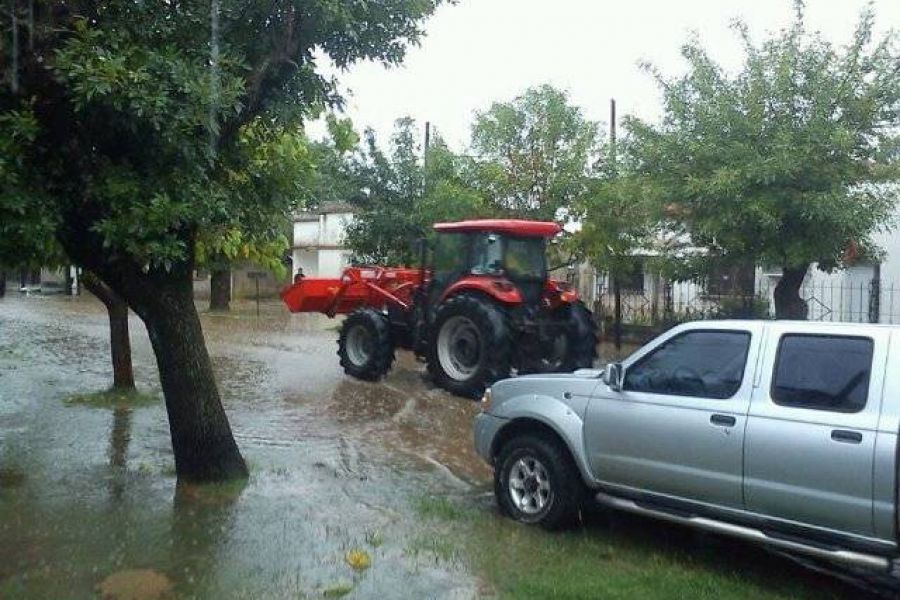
x=822, y=372
x=705, y=364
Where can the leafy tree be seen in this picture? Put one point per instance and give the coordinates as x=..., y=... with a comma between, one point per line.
x=121, y=125
x=534, y=153
x=279, y=168
x=403, y=193
x=783, y=162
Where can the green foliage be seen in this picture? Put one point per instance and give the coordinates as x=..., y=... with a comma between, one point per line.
x=402, y=194
x=130, y=128
x=532, y=159
x=787, y=161
x=618, y=225
x=26, y=224
x=535, y=153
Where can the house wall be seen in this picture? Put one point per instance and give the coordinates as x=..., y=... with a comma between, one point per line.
x=318, y=244
x=307, y=260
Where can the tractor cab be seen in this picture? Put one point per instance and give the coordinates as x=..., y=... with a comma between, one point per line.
x=506, y=258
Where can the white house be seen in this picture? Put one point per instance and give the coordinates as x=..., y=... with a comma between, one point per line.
x=318, y=246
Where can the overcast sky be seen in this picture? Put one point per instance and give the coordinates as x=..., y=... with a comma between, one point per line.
x=480, y=51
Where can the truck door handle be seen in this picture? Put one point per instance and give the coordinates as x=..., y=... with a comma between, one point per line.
x=724, y=420
x=848, y=437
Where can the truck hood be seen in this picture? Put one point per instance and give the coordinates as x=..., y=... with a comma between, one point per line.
x=580, y=374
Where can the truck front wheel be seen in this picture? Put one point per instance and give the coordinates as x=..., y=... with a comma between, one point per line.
x=536, y=482
x=365, y=346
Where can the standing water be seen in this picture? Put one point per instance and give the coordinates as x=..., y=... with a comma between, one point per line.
x=88, y=497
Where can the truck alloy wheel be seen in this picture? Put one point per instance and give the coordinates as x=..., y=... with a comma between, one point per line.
x=536, y=481
x=365, y=345
x=529, y=485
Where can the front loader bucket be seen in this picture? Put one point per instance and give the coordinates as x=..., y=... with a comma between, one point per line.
x=311, y=295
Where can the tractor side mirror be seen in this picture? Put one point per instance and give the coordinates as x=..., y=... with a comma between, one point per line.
x=613, y=376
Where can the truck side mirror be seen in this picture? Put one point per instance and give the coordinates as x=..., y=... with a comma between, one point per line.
x=613, y=375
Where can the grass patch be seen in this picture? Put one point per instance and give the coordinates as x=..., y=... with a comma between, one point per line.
x=114, y=399
x=441, y=508
x=611, y=556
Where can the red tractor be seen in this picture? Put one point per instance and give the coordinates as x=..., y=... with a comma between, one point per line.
x=481, y=306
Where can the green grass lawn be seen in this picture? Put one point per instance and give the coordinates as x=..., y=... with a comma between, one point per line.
x=611, y=556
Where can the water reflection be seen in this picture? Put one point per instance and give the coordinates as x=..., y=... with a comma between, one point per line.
x=119, y=436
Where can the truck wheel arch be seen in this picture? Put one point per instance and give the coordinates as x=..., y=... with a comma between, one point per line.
x=532, y=426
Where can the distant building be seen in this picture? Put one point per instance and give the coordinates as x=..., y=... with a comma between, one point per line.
x=318, y=246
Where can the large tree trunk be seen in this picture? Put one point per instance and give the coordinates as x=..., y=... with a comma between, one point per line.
x=163, y=298
x=219, y=289
x=788, y=302
x=204, y=446
x=119, y=339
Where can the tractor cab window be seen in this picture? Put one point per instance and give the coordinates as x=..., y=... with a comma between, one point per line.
x=449, y=258
x=487, y=255
x=524, y=258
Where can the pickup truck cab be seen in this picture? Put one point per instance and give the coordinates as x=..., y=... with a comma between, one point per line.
x=782, y=433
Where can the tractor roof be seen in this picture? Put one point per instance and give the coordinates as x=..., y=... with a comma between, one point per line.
x=515, y=227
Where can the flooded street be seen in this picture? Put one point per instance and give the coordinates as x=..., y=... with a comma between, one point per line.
x=88, y=492
x=356, y=489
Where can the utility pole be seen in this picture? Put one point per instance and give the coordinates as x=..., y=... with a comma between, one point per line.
x=425, y=156
x=617, y=289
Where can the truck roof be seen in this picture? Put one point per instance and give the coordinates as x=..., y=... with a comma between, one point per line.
x=517, y=227
x=800, y=325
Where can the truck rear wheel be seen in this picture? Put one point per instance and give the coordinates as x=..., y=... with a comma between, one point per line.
x=365, y=346
x=469, y=346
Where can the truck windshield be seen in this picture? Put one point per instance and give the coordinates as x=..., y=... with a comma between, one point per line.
x=524, y=258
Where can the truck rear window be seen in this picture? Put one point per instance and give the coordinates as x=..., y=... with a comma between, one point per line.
x=823, y=372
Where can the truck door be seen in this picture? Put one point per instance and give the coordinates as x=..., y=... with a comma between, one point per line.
x=677, y=426
x=811, y=428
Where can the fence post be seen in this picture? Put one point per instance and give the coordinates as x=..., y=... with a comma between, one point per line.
x=875, y=295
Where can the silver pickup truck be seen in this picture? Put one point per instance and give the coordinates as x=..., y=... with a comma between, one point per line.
x=782, y=433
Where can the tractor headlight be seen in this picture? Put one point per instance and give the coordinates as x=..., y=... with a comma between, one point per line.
x=486, y=400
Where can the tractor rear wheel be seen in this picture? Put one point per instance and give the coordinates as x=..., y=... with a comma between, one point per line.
x=575, y=346
x=365, y=345
x=469, y=345
x=582, y=332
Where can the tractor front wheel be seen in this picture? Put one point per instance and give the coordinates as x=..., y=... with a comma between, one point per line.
x=365, y=346
x=469, y=345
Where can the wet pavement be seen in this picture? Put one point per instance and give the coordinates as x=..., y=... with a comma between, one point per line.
x=88, y=497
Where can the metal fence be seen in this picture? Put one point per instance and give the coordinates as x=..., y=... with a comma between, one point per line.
x=874, y=301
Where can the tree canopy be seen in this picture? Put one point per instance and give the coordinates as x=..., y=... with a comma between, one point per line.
x=127, y=128
x=784, y=162
x=534, y=152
